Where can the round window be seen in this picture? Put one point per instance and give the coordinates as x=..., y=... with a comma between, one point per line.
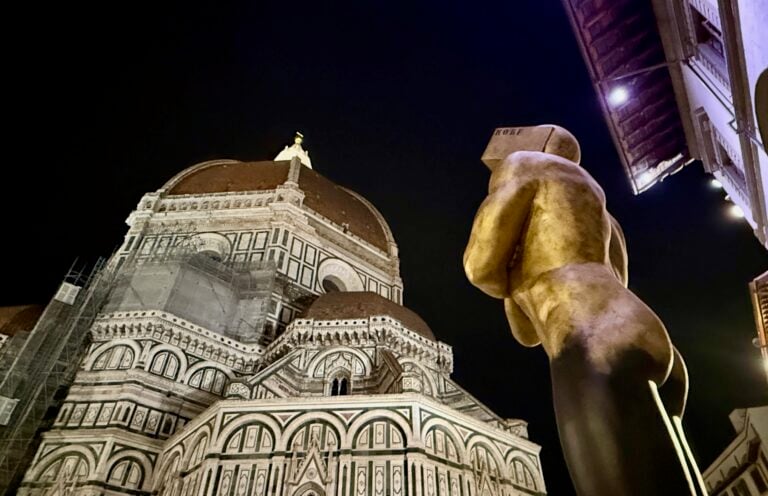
x=337, y=275
x=331, y=284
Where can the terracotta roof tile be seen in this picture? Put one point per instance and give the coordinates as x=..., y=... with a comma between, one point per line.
x=321, y=194
x=233, y=176
x=351, y=304
x=337, y=204
x=19, y=318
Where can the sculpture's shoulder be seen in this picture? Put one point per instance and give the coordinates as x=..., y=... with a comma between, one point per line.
x=532, y=166
x=536, y=164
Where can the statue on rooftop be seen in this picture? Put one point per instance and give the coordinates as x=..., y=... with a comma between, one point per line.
x=544, y=242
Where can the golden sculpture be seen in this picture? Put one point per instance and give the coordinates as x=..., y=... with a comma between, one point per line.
x=544, y=242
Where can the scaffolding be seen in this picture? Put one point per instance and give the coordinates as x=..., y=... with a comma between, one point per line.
x=38, y=368
x=230, y=298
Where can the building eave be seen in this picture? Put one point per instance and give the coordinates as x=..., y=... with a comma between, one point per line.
x=622, y=46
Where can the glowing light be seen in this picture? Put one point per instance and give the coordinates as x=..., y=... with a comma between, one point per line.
x=646, y=177
x=716, y=184
x=736, y=212
x=618, y=96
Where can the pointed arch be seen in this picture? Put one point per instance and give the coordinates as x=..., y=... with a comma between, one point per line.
x=308, y=487
x=364, y=359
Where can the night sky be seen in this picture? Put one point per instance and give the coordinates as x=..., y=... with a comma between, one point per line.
x=397, y=102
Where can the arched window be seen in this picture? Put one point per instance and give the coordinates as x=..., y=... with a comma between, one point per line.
x=211, y=254
x=167, y=426
x=68, y=468
x=312, y=490
x=165, y=364
x=440, y=443
x=198, y=452
x=335, y=387
x=127, y=474
x=340, y=386
x=209, y=379
x=523, y=475
x=116, y=358
x=332, y=284
x=315, y=432
x=170, y=480
x=254, y=437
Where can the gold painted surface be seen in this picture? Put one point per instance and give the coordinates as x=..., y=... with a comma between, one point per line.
x=543, y=241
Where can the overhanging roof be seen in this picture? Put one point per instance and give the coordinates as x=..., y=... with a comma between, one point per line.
x=622, y=47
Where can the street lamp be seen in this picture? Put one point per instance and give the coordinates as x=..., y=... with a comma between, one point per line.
x=618, y=96
x=736, y=212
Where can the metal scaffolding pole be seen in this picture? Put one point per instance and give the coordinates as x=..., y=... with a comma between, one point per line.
x=36, y=377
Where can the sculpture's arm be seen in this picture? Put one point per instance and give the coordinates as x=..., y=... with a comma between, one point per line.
x=498, y=228
x=491, y=256
x=617, y=251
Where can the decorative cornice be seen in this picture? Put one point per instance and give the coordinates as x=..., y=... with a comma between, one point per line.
x=285, y=198
x=165, y=327
x=413, y=401
x=372, y=331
